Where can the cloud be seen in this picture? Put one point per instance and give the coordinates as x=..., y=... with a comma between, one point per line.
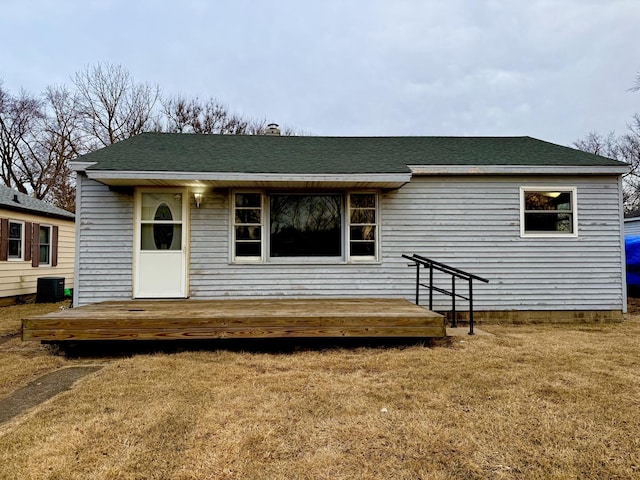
x=555, y=69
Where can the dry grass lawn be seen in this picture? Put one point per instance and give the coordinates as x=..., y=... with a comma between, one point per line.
x=21, y=362
x=533, y=401
x=11, y=316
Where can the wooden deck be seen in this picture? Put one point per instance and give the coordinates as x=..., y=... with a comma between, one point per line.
x=265, y=318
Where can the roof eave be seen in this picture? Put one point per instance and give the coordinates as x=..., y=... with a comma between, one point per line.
x=40, y=213
x=229, y=179
x=79, y=166
x=518, y=169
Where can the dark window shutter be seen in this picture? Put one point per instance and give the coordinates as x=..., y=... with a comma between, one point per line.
x=4, y=239
x=27, y=241
x=35, y=245
x=54, y=246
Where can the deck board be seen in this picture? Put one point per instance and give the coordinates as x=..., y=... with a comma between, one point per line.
x=264, y=318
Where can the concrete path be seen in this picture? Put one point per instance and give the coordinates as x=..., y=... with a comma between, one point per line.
x=42, y=389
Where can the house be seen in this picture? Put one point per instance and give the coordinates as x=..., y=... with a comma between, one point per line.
x=36, y=240
x=632, y=223
x=249, y=217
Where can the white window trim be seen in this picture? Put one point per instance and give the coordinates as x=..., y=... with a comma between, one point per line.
x=40, y=263
x=554, y=188
x=22, y=242
x=232, y=228
x=362, y=258
x=265, y=258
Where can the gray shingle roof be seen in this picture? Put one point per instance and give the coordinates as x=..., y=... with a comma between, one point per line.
x=165, y=152
x=27, y=203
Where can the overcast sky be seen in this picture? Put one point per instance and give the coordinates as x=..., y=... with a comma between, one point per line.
x=551, y=69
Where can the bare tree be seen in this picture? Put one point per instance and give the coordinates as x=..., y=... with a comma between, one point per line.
x=625, y=148
x=191, y=115
x=40, y=135
x=112, y=106
x=37, y=138
x=61, y=141
x=19, y=120
x=636, y=84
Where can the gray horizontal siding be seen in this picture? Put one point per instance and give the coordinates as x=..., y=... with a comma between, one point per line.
x=632, y=227
x=105, y=249
x=472, y=223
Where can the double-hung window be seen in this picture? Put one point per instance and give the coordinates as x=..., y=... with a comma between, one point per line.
x=362, y=226
x=45, y=245
x=320, y=226
x=548, y=212
x=16, y=240
x=247, y=226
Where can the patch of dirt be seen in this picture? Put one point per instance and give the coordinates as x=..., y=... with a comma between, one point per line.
x=41, y=390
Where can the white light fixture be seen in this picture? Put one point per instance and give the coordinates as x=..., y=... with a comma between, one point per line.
x=198, y=198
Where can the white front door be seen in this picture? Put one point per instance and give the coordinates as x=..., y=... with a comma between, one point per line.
x=161, y=254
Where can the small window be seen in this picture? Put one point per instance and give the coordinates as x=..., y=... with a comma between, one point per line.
x=247, y=226
x=16, y=240
x=548, y=211
x=45, y=245
x=362, y=225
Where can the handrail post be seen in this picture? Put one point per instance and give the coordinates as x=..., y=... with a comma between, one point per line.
x=417, y=283
x=470, y=306
x=431, y=286
x=454, y=320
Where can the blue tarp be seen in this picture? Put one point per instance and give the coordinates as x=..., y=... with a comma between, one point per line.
x=632, y=251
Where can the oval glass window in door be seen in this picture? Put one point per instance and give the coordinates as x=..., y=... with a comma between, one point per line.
x=162, y=233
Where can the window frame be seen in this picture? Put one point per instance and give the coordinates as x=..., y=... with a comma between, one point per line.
x=265, y=237
x=49, y=246
x=22, y=241
x=349, y=224
x=549, y=188
x=233, y=224
x=303, y=259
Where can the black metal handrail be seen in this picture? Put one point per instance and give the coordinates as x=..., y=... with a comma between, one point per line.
x=425, y=262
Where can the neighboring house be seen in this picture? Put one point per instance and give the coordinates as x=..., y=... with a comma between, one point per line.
x=36, y=240
x=632, y=223
x=211, y=216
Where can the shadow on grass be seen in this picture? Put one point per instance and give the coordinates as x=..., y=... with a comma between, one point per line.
x=276, y=346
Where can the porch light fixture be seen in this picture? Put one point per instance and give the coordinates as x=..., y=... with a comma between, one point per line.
x=198, y=198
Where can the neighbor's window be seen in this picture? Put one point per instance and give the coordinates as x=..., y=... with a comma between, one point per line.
x=16, y=240
x=548, y=211
x=305, y=225
x=362, y=225
x=45, y=245
x=247, y=225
